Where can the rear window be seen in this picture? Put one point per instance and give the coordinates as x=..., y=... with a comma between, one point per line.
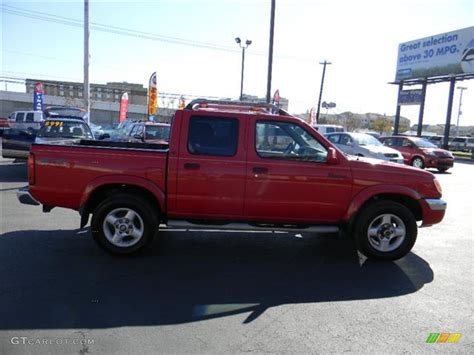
x=65, y=129
x=213, y=136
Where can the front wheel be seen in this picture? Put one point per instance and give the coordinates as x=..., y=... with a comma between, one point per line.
x=417, y=162
x=124, y=224
x=385, y=230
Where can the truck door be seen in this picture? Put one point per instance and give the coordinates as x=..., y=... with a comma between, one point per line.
x=211, y=167
x=288, y=177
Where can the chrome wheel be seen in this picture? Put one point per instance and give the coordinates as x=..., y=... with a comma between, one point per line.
x=386, y=232
x=123, y=227
x=417, y=163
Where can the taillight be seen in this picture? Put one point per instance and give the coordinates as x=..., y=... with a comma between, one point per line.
x=31, y=169
x=438, y=186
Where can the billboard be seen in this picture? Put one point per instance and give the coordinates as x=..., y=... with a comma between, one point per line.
x=410, y=97
x=443, y=54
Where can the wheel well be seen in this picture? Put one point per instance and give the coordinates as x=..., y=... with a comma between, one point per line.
x=408, y=202
x=103, y=192
x=417, y=156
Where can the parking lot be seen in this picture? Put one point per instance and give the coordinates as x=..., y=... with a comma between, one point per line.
x=215, y=292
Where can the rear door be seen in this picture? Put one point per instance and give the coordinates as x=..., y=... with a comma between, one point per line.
x=211, y=167
x=288, y=177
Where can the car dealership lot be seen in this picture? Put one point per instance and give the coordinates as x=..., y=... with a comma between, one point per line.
x=229, y=292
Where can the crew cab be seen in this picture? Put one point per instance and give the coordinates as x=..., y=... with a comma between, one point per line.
x=232, y=165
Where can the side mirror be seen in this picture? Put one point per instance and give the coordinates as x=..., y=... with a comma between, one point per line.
x=332, y=156
x=138, y=136
x=104, y=136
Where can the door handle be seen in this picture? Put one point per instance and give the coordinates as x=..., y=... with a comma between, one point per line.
x=191, y=166
x=259, y=170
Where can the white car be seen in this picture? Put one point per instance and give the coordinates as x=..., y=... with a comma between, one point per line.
x=364, y=145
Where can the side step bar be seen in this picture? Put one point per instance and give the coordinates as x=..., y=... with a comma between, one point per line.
x=182, y=224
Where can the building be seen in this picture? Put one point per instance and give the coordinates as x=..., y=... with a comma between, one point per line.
x=110, y=92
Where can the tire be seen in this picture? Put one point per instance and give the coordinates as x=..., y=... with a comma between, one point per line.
x=417, y=162
x=124, y=224
x=442, y=170
x=385, y=230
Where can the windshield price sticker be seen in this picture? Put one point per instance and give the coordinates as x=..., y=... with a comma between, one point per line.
x=53, y=124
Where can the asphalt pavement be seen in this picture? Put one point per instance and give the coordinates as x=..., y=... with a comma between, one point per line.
x=223, y=292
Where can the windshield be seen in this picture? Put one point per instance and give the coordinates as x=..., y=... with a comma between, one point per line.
x=157, y=132
x=423, y=143
x=365, y=139
x=65, y=129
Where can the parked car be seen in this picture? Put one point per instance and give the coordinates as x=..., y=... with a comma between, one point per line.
x=328, y=128
x=65, y=112
x=65, y=130
x=150, y=132
x=3, y=125
x=221, y=170
x=16, y=143
x=436, y=140
x=125, y=126
x=364, y=145
x=459, y=144
x=420, y=153
x=25, y=120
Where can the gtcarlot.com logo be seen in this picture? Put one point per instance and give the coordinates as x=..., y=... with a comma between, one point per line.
x=443, y=338
x=50, y=341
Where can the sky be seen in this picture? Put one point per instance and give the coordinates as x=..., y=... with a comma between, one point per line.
x=190, y=44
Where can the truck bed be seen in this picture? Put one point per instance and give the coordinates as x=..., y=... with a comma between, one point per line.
x=65, y=175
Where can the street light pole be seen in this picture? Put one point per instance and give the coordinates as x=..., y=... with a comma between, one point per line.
x=86, y=61
x=321, y=90
x=244, y=47
x=462, y=88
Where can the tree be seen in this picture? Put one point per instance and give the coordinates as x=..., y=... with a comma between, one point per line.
x=382, y=125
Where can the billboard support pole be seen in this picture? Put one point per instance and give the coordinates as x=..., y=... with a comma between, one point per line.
x=422, y=109
x=452, y=84
x=397, y=113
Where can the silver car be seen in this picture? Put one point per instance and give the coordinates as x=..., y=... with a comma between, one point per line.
x=364, y=145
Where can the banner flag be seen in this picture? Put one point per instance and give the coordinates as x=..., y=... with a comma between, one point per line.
x=123, y=107
x=38, y=97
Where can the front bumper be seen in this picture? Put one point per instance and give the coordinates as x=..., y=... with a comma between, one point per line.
x=433, y=210
x=24, y=196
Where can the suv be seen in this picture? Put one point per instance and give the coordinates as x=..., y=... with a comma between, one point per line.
x=459, y=144
x=420, y=153
x=26, y=120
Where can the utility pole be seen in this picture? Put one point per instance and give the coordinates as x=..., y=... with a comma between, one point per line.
x=462, y=88
x=321, y=90
x=87, y=103
x=270, y=52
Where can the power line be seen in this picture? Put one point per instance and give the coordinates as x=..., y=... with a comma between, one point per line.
x=37, y=15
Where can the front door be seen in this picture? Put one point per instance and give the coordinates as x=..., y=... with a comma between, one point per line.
x=288, y=177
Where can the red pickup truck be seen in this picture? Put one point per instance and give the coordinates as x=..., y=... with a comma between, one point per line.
x=234, y=166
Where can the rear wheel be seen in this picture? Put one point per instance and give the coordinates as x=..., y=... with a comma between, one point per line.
x=124, y=224
x=417, y=162
x=385, y=230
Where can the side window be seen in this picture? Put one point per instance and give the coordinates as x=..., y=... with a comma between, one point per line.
x=213, y=136
x=20, y=116
x=29, y=117
x=406, y=143
x=389, y=142
x=346, y=140
x=334, y=138
x=284, y=140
